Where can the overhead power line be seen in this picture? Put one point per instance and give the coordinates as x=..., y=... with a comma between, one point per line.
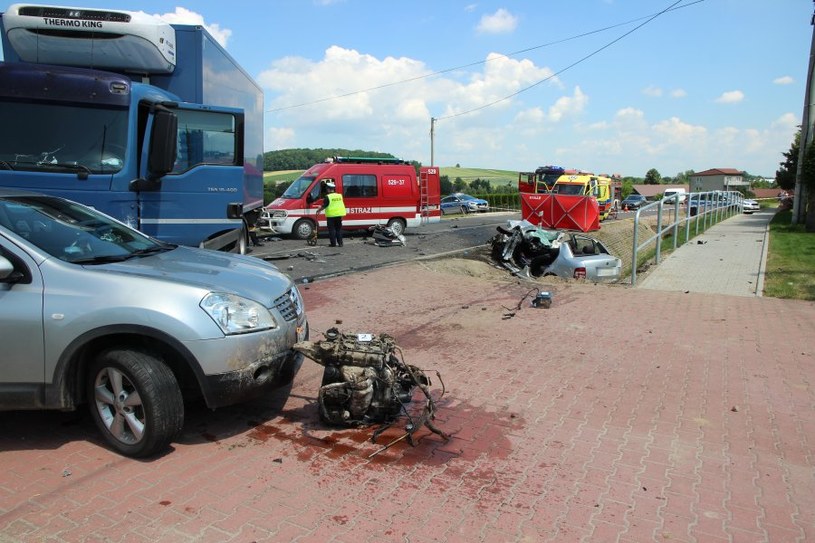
x=647, y=18
x=570, y=66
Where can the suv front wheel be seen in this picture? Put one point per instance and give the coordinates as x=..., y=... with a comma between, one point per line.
x=135, y=401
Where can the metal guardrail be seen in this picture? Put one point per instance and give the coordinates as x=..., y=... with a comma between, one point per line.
x=701, y=211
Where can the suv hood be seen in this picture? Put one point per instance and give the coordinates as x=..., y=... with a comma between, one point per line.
x=211, y=270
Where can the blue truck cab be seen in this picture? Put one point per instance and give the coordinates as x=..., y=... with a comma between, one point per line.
x=153, y=124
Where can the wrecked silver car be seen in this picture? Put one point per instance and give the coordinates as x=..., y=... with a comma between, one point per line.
x=530, y=251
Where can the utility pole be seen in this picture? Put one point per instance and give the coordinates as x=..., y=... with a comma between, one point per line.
x=432, y=134
x=799, y=200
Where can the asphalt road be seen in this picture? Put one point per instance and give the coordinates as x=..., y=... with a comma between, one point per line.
x=454, y=235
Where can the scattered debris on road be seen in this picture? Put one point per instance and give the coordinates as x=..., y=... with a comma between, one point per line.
x=543, y=298
x=384, y=236
x=365, y=382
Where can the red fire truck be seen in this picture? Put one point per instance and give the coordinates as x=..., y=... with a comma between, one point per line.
x=541, y=180
x=376, y=191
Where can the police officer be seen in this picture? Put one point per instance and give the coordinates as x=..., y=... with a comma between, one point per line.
x=334, y=212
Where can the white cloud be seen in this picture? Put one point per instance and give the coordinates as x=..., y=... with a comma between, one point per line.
x=787, y=121
x=784, y=80
x=185, y=16
x=500, y=22
x=674, y=132
x=568, y=106
x=657, y=92
x=652, y=91
x=279, y=138
x=345, y=74
x=730, y=97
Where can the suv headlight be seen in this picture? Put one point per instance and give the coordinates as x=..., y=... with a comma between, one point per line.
x=237, y=315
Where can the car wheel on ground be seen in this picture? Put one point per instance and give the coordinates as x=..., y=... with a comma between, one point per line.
x=135, y=401
x=397, y=226
x=303, y=229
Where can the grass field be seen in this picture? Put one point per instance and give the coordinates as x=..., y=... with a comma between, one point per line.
x=495, y=177
x=790, y=260
x=282, y=175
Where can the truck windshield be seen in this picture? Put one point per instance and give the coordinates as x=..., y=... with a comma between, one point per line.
x=62, y=138
x=298, y=187
x=569, y=189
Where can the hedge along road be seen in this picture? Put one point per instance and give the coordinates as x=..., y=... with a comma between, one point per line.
x=450, y=236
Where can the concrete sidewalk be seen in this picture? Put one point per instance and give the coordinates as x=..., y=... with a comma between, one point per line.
x=729, y=258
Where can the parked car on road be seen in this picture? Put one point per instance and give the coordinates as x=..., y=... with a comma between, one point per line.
x=94, y=312
x=633, y=201
x=675, y=195
x=749, y=206
x=463, y=203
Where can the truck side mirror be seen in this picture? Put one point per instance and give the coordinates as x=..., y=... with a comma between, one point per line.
x=163, y=144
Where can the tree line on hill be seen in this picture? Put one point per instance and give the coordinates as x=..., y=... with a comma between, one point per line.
x=303, y=159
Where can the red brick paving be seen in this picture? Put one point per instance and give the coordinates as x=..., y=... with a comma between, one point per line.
x=616, y=415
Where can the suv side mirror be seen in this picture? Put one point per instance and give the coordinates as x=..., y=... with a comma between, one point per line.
x=7, y=272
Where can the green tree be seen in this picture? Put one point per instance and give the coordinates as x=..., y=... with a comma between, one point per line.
x=808, y=181
x=683, y=178
x=446, y=184
x=627, y=187
x=481, y=185
x=459, y=185
x=652, y=177
x=785, y=175
x=302, y=159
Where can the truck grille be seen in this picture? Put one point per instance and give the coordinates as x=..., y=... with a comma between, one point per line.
x=290, y=305
x=69, y=13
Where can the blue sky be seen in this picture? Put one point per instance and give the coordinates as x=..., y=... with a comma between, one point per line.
x=600, y=85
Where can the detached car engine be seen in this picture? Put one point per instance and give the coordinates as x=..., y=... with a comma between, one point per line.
x=365, y=382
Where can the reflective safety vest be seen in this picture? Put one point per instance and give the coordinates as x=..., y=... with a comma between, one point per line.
x=335, y=207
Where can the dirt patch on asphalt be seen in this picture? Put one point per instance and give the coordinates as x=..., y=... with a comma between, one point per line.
x=477, y=265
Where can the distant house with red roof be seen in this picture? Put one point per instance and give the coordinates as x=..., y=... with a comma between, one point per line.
x=766, y=193
x=718, y=179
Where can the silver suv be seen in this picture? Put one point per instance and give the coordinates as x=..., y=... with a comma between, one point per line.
x=94, y=312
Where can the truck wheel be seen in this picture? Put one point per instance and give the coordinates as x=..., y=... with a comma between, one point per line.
x=303, y=229
x=397, y=226
x=135, y=401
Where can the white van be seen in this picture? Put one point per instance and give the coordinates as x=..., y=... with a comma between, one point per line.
x=670, y=193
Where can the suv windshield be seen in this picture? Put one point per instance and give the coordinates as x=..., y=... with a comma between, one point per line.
x=62, y=138
x=74, y=232
x=298, y=187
